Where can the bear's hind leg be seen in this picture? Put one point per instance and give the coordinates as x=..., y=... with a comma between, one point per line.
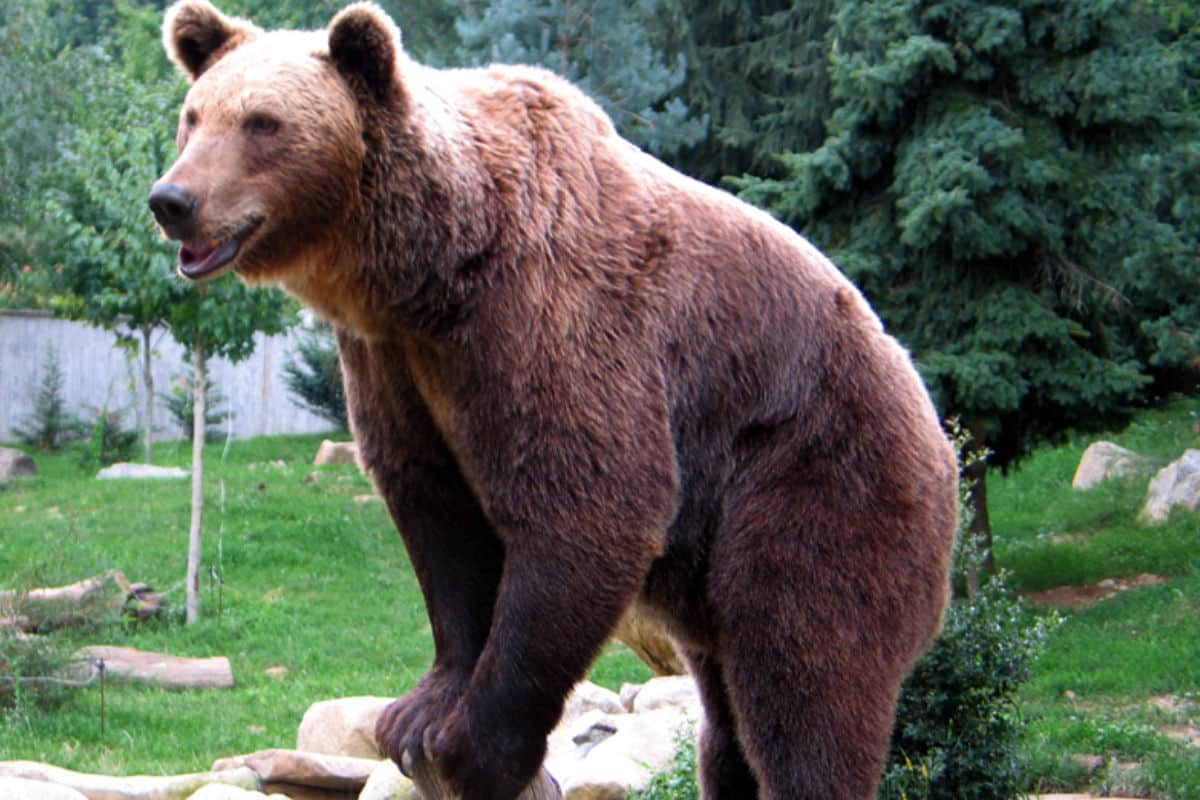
x=819, y=619
x=724, y=773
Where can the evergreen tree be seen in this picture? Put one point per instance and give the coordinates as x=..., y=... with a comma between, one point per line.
x=604, y=47
x=758, y=72
x=314, y=376
x=1012, y=184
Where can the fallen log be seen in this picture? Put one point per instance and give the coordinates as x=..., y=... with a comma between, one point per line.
x=93, y=600
x=126, y=665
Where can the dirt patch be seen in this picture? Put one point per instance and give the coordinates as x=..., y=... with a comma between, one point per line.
x=1188, y=734
x=1077, y=597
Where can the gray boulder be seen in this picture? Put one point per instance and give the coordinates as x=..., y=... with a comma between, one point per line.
x=1176, y=485
x=14, y=464
x=1104, y=461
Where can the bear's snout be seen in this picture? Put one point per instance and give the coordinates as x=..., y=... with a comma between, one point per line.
x=174, y=207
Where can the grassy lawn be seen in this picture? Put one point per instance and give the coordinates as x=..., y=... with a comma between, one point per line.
x=316, y=580
x=1121, y=678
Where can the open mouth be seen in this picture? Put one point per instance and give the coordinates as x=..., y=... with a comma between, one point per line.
x=204, y=258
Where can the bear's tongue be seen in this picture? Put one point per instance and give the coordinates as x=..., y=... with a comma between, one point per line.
x=199, y=258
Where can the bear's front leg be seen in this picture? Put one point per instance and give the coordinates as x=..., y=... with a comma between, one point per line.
x=561, y=596
x=457, y=560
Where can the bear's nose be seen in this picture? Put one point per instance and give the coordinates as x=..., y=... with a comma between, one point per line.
x=173, y=205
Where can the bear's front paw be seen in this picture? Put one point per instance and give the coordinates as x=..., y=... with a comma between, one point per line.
x=401, y=728
x=484, y=764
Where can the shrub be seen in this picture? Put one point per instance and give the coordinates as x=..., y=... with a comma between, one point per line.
x=179, y=405
x=678, y=782
x=49, y=426
x=110, y=440
x=314, y=376
x=958, y=730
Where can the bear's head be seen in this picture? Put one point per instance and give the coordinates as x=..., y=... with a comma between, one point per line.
x=271, y=139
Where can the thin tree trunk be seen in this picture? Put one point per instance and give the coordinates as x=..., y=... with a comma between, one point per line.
x=199, y=414
x=148, y=384
x=980, y=528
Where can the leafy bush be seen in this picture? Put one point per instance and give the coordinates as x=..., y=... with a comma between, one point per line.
x=31, y=670
x=314, y=376
x=679, y=781
x=958, y=730
x=49, y=426
x=179, y=405
x=110, y=441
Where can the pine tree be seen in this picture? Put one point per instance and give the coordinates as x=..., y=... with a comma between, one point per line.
x=604, y=47
x=1011, y=184
x=758, y=72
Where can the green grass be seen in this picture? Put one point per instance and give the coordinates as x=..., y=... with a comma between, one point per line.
x=315, y=581
x=320, y=584
x=1108, y=670
x=1049, y=535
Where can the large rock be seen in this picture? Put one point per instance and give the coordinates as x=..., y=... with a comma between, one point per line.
x=144, y=471
x=292, y=767
x=600, y=756
x=1104, y=461
x=136, y=787
x=678, y=692
x=331, y=452
x=343, y=727
x=608, y=745
x=14, y=464
x=215, y=791
x=1176, y=485
x=25, y=789
x=387, y=783
x=586, y=697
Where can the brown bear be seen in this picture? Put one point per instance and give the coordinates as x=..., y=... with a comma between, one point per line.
x=581, y=381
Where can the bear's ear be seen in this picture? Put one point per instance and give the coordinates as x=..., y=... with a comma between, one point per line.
x=364, y=45
x=195, y=34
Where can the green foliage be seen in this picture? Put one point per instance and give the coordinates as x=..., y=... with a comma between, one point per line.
x=758, y=72
x=25, y=664
x=603, y=47
x=678, y=782
x=110, y=440
x=1011, y=185
x=314, y=376
x=49, y=426
x=180, y=405
x=958, y=732
x=957, y=721
x=1048, y=534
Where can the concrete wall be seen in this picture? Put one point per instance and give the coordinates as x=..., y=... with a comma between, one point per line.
x=96, y=371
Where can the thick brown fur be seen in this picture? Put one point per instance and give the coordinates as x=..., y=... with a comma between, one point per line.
x=582, y=380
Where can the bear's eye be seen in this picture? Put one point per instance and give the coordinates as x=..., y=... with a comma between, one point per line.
x=189, y=119
x=260, y=125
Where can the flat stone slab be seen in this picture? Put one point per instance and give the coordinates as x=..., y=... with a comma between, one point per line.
x=144, y=471
x=25, y=789
x=135, y=787
x=276, y=766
